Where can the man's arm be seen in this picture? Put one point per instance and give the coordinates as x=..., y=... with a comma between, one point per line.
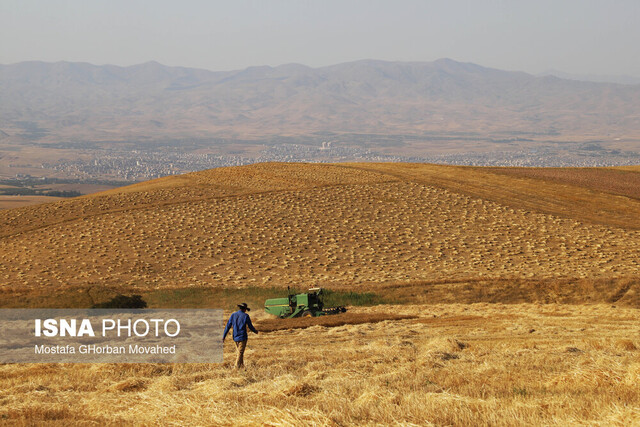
x=250, y=325
x=226, y=329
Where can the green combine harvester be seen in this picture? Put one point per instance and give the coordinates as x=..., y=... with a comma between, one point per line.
x=309, y=304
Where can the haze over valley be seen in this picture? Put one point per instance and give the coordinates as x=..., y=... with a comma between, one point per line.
x=84, y=122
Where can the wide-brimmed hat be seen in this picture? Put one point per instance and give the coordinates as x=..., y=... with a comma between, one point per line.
x=244, y=305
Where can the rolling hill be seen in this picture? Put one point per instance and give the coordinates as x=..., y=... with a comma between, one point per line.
x=354, y=226
x=508, y=296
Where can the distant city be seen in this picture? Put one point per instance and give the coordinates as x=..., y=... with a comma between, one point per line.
x=140, y=165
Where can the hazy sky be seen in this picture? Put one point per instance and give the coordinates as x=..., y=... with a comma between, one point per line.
x=576, y=36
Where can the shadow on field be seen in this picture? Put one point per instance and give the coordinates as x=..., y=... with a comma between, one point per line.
x=123, y=301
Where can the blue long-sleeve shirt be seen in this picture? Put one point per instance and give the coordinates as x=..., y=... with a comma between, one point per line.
x=239, y=322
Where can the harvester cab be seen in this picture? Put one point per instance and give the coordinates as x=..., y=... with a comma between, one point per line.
x=309, y=304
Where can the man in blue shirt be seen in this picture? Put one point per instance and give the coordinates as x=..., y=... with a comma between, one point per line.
x=239, y=322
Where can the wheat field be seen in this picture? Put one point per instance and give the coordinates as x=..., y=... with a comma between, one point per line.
x=337, y=225
x=519, y=287
x=455, y=364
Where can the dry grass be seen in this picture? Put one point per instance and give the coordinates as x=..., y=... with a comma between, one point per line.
x=278, y=225
x=622, y=291
x=477, y=364
x=12, y=202
x=582, y=203
x=414, y=233
x=615, y=180
x=270, y=325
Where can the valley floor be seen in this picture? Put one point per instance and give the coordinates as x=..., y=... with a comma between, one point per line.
x=455, y=364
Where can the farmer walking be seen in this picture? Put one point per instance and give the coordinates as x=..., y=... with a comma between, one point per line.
x=239, y=322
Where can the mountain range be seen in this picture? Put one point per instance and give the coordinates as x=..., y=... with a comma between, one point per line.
x=598, y=78
x=73, y=102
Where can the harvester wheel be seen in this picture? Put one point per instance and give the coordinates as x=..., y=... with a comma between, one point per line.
x=307, y=313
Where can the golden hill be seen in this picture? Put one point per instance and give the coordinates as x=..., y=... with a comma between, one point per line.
x=277, y=224
x=456, y=242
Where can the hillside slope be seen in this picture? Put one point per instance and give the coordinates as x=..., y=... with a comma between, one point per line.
x=309, y=224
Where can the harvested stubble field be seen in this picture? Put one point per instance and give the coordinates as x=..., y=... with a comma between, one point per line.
x=456, y=364
x=12, y=202
x=343, y=225
x=620, y=181
x=523, y=286
x=351, y=318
